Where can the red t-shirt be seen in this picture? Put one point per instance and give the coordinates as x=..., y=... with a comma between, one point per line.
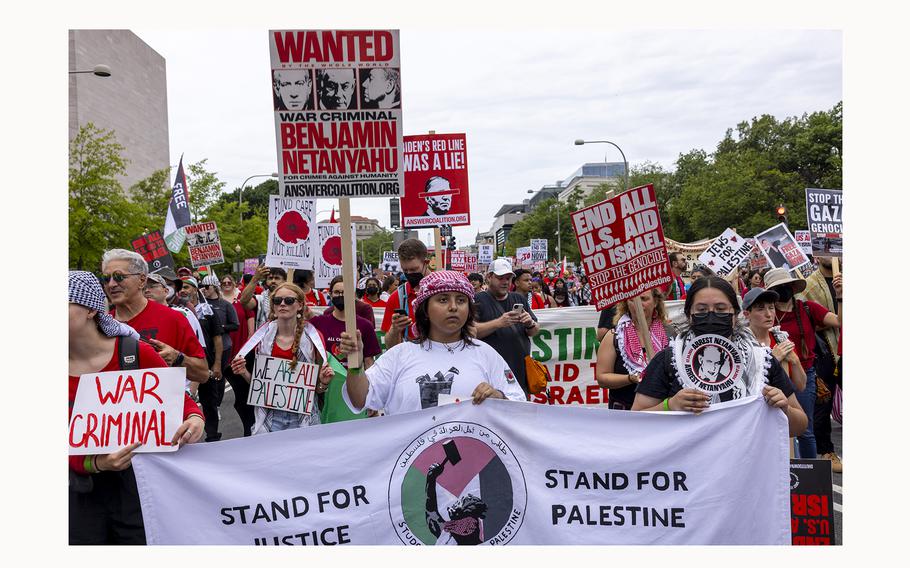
x=675, y=290
x=282, y=353
x=376, y=304
x=242, y=333
x=392, y=304
x=168, y=326
x=148, y=359
x=314, y=298
x=787, y=321
x=537, y=302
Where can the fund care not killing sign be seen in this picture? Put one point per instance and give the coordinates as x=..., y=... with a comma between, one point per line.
x=622, y=246
x=337, y=104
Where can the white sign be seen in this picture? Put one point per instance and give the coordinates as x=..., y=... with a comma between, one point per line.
x=204, y=244
x=470, y=474
x=726, y=253
x=390, y=262
x=292, y=232
x=523, y=256
x=275, y=385
x=539, y=250
x=328, y=252
x=804, y=240
x=485, y=254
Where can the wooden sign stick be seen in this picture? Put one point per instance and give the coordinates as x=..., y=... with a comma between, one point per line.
x=835, y=266
x=641, y=326
x=440, y=264
x=350, y=279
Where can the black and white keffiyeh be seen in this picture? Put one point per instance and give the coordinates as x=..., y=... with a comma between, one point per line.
x=85, y=290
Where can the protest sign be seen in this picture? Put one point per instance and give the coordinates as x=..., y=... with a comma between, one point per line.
x=337, y=103
x=780, y=248
x=435, y=181
x=154, y=250
x=470, y=263
x=275, y=385
x=726, y=253
x=757, y=260
x=492, y=483
x=328, y=252
x=522, y=257
x=204, y=244
x=689, y=251
x=804, y=240
x=115, y=409
x=458, y=260
x=824, y=210
x=250, y=265
x=622, y=246
x=485, y=254
x=811, y=502
x=539, y=250
x=291, y=236
x=390, y=262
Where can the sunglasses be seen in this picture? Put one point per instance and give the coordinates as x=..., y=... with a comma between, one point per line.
x=117, y=277
x=286, y=300
x=227, y=283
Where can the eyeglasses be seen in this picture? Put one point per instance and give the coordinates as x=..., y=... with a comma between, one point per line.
x=117, y=276
x=286, y=300
x=227, y=283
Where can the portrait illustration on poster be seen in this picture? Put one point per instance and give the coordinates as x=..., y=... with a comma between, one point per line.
x=292, y=89
x=380, y=87
x=204, y=244
x=436, y=181
x=780, y=248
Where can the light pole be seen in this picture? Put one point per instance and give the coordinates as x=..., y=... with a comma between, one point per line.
x=99, y=70
x=240, y=191
x=624, y=161
x=558, y=230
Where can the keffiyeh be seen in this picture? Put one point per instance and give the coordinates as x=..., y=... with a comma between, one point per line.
x=85, y=290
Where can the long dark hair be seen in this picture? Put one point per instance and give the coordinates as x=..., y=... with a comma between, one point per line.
x=710, y=282
x=422, y=322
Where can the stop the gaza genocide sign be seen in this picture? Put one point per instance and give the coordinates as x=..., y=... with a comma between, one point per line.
x=622, y=246
x=337, y=103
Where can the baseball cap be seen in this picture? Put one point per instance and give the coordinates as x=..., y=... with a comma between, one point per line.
x=756, y=294
x=501, y=267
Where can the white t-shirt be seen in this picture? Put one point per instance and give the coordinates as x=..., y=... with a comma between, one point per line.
x=411, y=376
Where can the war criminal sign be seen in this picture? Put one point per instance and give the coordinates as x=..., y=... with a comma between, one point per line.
x=435, y=181
x=204, y=244
x=824, y=210
x=337, y=105
x=622, y=246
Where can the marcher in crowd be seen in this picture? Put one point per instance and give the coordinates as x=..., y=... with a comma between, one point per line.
x=224, y=312
x=260, y=302
x=539, y=287
x=412, y=257
x=371, y=293
x=621, y=357
x=758, y=309
x=521, y=284
x=389, y=285
x=442, y=358
x=104, y=505
x=331, y=324
x=247, y=325
x=306, y=280
x=676, y=289
x=754, y=279
x=584, y=291
x=561, y=295
x=711, y=308
x=476, y=280
x=212, y=391
x=229, y=290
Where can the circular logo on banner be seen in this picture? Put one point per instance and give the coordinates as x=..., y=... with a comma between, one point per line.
x=711, y=363
x=458, y=483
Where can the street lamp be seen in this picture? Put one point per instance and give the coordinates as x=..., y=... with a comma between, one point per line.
x=558, y=231
x=624, y=161
x=240, y=191
x=99, y=70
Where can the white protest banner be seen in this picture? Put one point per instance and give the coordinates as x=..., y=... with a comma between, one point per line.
x=337, y=103
x=780, y=248
x=522, y=257
x=726, y=253
x=275, y=385
x=291, y=234
x=824, y=211
x=470, y=263
x=539, y=250
x=204, y=244
x=457, y=260
x=390, y=262
x=485, y=254
x=328, y=252
x=471, y=474
x=117, y=408
x=622, y=246
x=804, y=240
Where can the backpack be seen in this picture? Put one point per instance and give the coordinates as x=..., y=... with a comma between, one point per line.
x=824, y=356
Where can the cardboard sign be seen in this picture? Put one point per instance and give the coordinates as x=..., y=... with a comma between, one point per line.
x=154, y=250
x=204, y=244
x=539, y=250
x=390, y=262
x=337, y=105
x=522, y=257
x=824, y=211
x=435, y=181
x=328, y=252
x=811, y=502
x=470, y=263
x=250, y=265
x=757, y=260
x=622, y=246
x=117, y=408
x=485, y=254
x=726, y=253
x=291, y=234
x=275, y=385
x=458, y=260
x=804, y=240
x=780, y=248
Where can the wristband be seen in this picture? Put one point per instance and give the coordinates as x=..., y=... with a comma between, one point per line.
x=89, y=464
x=179, y=360
x=95, y=464
x=666, y=404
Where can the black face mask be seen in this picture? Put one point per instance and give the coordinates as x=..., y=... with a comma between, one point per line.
x=714, y=323
x=371, y=290
x=784, y=293
x=338, y=302
x=414, y=278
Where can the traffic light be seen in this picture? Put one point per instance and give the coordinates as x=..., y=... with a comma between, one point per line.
x=451, y=243
x=781, y=212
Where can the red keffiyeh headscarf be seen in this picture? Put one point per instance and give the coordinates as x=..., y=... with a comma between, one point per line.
x=630, y=349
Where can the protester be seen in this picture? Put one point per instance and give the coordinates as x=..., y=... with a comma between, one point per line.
x=388, y=287
x=799, y=320
x=759, y=312
x=124, y=274
x=561, y=295
x=306, y=280
x=288, y=336
x=711, y=308
x=605, y=322
x=331, y=324
x=371, y=293
x=212, y=391
x=584, y=291
x=476, y=280
x=504, y=321
x=412, y=257
x=521, y=284
x=676, y=289
x=260, y=302
x=754, y=279
x=229, y=290
x=540, y=288
x=212, y=395
x=621, y=357
x=104, y=505
x=442, y=358
x=247, y=325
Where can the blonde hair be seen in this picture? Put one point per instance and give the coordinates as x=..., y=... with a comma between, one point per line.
x=660, y=309
x=301, y=321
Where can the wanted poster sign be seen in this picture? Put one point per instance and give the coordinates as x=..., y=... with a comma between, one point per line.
x=204, y=244
x=538, y=250
x=726, y=253
x=457, y=260
x=275, y=385
x=390, y=262
x=523, y=256
x=824, y=211
x=117, y=408
x=485, y=254
x=435, y=181
x=780, y=248
x=154, y=250
x=811, y=502
x=327, y=264
x=291, y=234
x=337, y=105
x=622, y=246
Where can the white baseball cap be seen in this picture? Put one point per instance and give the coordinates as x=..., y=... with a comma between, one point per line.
x=501, y=267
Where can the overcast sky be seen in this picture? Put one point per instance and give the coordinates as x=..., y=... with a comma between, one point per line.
x=522, y=98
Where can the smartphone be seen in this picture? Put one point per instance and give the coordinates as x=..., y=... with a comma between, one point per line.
x=518, y=308
x=401, y=312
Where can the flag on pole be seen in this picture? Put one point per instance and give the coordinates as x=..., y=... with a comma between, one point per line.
x=178, y=212
x=332, y=218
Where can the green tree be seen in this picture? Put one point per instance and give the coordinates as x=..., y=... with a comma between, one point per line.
x=541, y=223
x=205, y=188
x=152, y=195
x=372, y=248
x=255, y=199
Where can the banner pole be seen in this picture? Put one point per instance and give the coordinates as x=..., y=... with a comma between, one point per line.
x=350, y=279
x=641, y=326
x=835, y=266
x=440, y=262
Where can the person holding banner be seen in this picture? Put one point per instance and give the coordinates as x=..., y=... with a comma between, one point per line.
x=104, y=503
x=621, y=358
x=442, y=364
x=715, y=350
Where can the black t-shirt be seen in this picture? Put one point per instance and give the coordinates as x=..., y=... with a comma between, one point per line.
x=606, y=318
x=211, y=328
x=512, y=343
x=623, y=395
x=227, y=317
x=659, y=380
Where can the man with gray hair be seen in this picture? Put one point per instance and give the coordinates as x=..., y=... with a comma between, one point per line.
x=124, y=275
